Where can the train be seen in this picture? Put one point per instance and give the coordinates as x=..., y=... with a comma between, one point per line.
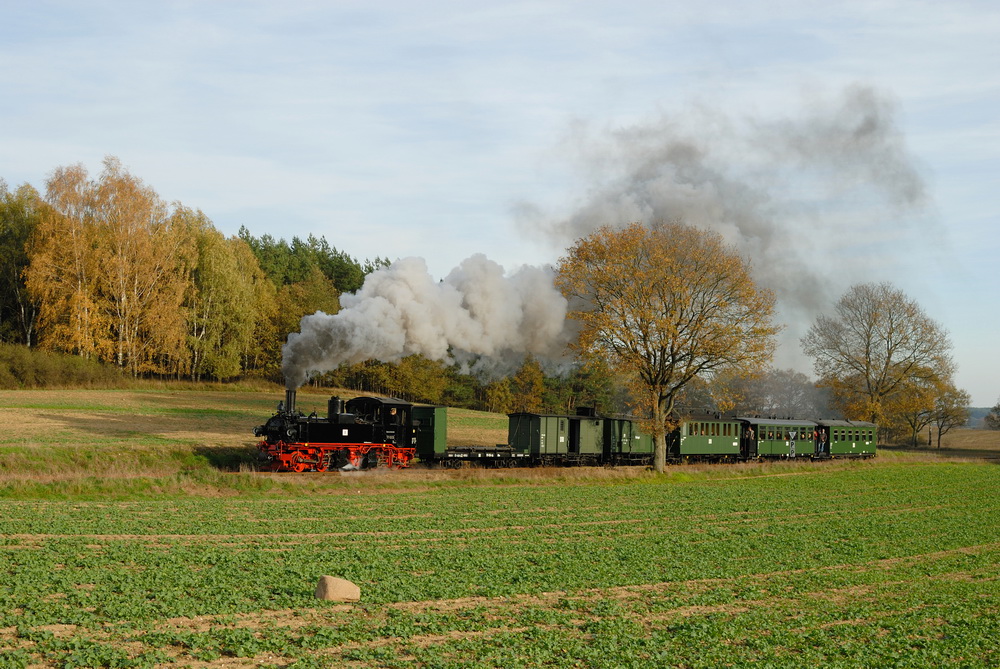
x=372, y=432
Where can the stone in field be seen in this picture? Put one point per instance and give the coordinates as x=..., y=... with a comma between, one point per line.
x=335, y=589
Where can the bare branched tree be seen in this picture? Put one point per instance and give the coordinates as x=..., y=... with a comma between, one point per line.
x=875, y=347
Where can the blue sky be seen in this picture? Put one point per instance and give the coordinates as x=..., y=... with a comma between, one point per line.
x=445, y=129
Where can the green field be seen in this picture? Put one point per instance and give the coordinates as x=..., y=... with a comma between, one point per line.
x=890, y=562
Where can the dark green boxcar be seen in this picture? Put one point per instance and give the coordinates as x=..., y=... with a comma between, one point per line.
x=556, y=438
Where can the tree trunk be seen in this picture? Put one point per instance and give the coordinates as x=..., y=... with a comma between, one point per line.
x=659, y=434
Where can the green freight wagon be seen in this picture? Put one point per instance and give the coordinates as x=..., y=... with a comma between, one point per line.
x=557, y=439
x=706, y=437
x=847, y=439
x=625, y=443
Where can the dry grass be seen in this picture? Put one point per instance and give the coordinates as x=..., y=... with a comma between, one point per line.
x=972, y=440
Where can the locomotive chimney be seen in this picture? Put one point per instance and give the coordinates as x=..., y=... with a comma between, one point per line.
x=289, y=400
x=334, y=408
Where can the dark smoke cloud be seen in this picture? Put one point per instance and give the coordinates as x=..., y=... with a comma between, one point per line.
x=478, y=315
x=809, y=198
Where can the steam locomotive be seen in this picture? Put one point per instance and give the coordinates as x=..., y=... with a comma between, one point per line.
x=362, y=433
x=370, y=432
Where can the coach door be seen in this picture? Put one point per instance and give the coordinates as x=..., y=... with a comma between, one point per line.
x=748, y=441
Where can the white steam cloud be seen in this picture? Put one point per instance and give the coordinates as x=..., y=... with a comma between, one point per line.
x=477, y=312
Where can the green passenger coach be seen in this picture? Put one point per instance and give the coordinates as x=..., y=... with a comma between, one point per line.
x=625, y=443
x=846, y=439
x=779, y=437
x=705, y=437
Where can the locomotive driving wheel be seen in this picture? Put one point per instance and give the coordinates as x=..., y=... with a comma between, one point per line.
x=296, y=464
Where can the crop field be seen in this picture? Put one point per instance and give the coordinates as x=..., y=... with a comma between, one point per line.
x=891, y=562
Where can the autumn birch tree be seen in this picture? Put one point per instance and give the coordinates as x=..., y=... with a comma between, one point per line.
x=141, y=285
x=61, y=274
x=663, y=305
x=224, y=303
x=105, y=270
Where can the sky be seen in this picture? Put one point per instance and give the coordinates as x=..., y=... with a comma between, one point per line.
x=833, y=143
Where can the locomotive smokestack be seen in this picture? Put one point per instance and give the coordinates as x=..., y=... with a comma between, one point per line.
x=334, y=407
x=289, y=400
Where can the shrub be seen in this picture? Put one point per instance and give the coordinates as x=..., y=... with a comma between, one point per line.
x=23, y=367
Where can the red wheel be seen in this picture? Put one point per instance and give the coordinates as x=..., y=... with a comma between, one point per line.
x=296, y=464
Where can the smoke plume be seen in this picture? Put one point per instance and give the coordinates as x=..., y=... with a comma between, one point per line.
x=477, y=312
x=808, y=198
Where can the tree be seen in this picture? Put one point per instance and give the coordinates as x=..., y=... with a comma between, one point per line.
x=528, y=385
x=223, y=305
x=419, y=379
x=911, y=409
x=878, y=342
x=951, y=410
x=61, y=274
x=106, y=269
x=293, y=301
x=286, y=263
x=992, y=419
x=775, y=392
x=262, y=309
x=499, y=396
x=588, y=385
x=20, y=212
x=664, y=305
x=141, y=285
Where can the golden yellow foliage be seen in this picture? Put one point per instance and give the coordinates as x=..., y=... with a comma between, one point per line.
x=104, y=269
x=664, y=304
